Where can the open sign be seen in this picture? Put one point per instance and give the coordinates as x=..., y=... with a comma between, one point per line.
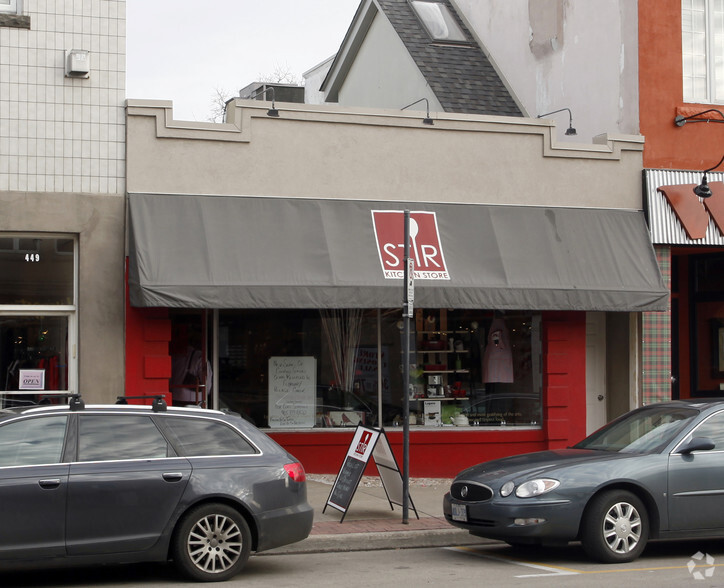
x=32, y=380
x=425, y=244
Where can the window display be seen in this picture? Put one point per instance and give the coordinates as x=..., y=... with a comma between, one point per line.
x=37, y=320
x=33, y=358
x=468, y=368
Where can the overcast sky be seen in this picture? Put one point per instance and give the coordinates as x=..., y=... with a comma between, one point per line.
x=184, y=50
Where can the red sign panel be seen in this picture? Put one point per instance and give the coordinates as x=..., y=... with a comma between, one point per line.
x=425, y=244
x=364, y=443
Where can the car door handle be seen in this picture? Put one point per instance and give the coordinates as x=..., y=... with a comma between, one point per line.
x=173, y=476
x=49, y=484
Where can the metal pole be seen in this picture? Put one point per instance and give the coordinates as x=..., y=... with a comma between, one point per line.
x=406, y=313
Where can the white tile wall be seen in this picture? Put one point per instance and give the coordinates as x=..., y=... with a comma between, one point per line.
x=58, y=133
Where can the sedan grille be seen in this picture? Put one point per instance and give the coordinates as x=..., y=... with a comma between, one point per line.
x=470, y=491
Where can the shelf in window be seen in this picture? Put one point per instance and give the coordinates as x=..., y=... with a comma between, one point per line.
x=458, y=332
x=440, y=398
x=445, y=371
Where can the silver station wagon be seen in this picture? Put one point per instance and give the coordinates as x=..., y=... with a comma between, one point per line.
x=656, y=472
x=124, y=483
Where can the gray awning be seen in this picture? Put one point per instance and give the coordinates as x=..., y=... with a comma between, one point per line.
x=190, y=251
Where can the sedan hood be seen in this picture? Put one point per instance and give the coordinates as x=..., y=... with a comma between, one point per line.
x=539, y=462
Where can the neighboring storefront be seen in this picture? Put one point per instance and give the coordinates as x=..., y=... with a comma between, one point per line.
x=688, y=234
x=62, y=198
x=265, y=259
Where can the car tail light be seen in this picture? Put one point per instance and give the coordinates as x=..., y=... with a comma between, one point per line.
x=295, y=471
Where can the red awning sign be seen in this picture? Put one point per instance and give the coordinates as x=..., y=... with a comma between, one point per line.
x=425, y=244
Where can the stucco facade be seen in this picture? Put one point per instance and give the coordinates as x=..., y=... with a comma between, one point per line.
x=357, y=152
x=360, y=154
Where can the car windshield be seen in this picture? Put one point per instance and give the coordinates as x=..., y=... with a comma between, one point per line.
x=645, y=430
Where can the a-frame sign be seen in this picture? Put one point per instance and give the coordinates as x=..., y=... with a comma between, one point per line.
x=367, y=443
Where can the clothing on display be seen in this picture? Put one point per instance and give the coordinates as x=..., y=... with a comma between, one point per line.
x=498, y=355
x=190, y=378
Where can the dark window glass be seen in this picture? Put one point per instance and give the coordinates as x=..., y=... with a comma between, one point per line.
x=713, y=428
x=32, y=441
x=36, y=271
x=115, y=437
x=33, y=357
x=467, y=367
x=197, y=437
x=710, y=275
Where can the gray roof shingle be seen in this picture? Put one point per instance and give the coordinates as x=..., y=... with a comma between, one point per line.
x=460, y=75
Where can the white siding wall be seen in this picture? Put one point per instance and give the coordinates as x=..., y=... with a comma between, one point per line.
x=384, y=75
x=560, y=54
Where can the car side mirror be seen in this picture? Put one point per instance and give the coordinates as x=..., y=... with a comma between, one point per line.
x=697, y=444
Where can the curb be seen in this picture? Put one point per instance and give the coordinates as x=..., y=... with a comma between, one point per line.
x=378, y=540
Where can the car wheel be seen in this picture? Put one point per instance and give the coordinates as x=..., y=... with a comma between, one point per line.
x=212, y=543
x=615, y=527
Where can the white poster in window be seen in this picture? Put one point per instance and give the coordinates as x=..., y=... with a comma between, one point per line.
x=32, y=380
x=292, y=392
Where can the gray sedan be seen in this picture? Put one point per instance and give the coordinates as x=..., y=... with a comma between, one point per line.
x=656, y=472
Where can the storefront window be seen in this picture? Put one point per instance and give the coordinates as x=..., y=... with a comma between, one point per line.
x=303, y=369
x=37, y=271
x=37, y=318
x=33, y=358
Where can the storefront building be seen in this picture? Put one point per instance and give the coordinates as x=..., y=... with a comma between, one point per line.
x=62, y=200
x=681, y=97
x=264, y=258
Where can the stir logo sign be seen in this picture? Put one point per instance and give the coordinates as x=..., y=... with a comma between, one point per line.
x=425, y=244
x=364, y=443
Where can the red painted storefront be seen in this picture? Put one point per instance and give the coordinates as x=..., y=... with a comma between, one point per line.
x=434, y=452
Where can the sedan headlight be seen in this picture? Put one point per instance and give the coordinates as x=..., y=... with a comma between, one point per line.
x=507, y=488
x=536, y=487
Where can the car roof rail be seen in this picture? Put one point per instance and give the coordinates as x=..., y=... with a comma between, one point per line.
x=158, y=404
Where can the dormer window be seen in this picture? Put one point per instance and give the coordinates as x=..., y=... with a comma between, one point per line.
x=439, y=23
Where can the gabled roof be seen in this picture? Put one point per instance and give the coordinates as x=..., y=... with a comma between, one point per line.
x=459, y=74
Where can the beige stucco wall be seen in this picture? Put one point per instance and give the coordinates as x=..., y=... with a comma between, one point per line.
x=332, y=152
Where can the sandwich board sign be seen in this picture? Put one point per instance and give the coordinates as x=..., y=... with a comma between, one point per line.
x=367, y=443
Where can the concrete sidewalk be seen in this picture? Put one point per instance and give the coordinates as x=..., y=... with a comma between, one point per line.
x=371, y=523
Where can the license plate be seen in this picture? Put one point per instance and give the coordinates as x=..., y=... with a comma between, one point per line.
x=459, y=512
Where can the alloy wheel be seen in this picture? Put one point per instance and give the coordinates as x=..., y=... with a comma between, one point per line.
x=622, y=527
x=214, y=543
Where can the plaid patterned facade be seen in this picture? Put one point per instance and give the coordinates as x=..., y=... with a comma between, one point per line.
x=656, y=345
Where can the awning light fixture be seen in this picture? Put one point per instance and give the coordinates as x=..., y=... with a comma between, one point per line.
x=427, y=120
x=570, y=130
x=703, y=190
x=680, y=120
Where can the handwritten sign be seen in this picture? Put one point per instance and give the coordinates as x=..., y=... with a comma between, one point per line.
x=292, y=392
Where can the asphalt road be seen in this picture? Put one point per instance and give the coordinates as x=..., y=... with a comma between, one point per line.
x=697, y=564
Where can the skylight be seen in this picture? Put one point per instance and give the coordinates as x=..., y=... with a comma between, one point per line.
x=438, y=21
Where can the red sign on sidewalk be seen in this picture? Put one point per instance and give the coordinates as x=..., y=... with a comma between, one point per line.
x=425, y=244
